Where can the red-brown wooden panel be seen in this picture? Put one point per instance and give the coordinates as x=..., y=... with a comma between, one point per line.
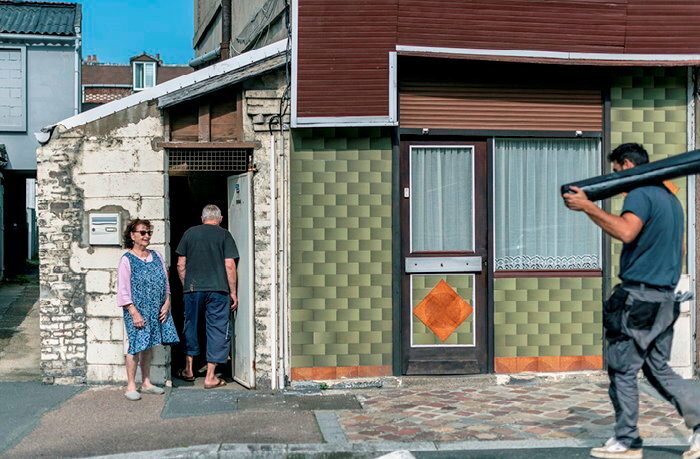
x=564, y=25
x=343, y=45
x=663, y=26
x=343, y=60
x=226, y=117
x=184, y=122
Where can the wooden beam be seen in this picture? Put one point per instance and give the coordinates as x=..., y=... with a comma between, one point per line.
x=210, y=145
x=204, y=123
x=166, y=126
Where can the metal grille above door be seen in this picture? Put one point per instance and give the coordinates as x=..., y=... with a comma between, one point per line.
x=209, y=160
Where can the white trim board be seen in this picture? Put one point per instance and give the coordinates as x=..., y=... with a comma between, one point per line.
x=344, y=121
x=680, y=58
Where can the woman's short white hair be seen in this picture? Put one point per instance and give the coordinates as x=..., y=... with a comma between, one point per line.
x=211, y=212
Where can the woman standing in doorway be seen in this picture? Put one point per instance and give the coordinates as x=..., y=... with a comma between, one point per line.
x=143, y=292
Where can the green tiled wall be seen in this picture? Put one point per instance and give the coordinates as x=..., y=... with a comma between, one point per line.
x=648, y=106
x=340, y=185
x=548, y=317
x=462, y=285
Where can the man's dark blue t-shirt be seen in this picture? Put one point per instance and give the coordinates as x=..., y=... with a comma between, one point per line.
x=206, y=248
x=654, y=257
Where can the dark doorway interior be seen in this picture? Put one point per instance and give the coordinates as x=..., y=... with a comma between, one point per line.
x=189, y=193
x=15, y=218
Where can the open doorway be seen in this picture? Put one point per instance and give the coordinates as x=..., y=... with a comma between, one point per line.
x=189, y=193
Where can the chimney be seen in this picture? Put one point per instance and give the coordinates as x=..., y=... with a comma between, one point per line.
x=158, y=57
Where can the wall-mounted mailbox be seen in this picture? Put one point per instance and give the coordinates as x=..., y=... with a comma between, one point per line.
x=105, y=229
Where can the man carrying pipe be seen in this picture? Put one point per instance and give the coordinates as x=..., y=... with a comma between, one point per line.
x=640, y=313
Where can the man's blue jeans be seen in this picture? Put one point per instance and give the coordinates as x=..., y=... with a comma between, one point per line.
x=217, y=306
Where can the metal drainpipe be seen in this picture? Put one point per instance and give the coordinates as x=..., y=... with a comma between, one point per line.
x=273, y=242
x=225, y=29
x=78, y=67
x=285, y=247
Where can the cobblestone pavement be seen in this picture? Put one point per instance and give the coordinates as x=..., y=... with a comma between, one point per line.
x=534, y=412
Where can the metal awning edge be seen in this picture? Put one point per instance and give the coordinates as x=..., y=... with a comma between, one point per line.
x=205, y=87
x=554, y=57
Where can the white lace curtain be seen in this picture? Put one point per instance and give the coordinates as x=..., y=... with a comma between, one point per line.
x=441, y=201
x=533, y=228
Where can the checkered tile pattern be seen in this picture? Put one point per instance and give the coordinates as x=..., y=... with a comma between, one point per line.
x=340, y=184
x=548, y=317
x=648, y=106
x=462, y=284
x=101, y=95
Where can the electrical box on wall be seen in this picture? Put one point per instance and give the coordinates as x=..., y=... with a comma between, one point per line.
x=104, y=228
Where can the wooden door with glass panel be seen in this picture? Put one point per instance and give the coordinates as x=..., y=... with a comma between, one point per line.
x=444, y=257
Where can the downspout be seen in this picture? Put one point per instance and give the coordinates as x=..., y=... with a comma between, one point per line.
x=225, y=29
x=78, y=59
x=692, y=222
x=284, y=278
x=273, y=277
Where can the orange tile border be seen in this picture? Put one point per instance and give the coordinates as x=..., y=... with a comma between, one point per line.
x=505, y=365
x=526, y=364
x=501, y=365
x=377, y=370
x=311, y=373
x=547, y=364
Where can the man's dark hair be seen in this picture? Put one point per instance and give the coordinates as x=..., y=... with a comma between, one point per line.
x=632, y=151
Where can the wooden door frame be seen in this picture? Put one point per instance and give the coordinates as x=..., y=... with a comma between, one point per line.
x=483, y=362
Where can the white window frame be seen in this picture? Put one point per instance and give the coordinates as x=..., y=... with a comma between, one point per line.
x=22, y=127
x=138, y=87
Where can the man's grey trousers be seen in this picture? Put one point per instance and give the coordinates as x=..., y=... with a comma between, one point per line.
x=648, y=350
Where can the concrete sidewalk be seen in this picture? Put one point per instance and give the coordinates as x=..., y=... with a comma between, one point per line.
x=427, y=416
x=462, y=414
x=19, y=332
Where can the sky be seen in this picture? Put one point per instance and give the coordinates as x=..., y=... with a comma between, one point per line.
x=116, y=30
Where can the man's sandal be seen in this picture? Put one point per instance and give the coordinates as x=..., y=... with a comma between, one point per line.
x=221, y=383
x=180, y=375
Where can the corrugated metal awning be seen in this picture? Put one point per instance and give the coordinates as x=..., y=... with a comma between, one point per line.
x=39, y=18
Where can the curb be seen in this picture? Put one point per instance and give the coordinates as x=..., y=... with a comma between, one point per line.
x=365, y=449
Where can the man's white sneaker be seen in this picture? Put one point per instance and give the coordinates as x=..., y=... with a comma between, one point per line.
x=614, y=448
x=694, y=450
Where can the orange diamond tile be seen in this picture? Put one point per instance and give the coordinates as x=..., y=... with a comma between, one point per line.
x=442, y=310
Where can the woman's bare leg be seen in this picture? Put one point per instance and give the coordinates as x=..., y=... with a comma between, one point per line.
x=146, y=357
x=132, y=362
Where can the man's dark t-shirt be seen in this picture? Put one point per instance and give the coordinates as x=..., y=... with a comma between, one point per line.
x=654, y=257
x=206, y=247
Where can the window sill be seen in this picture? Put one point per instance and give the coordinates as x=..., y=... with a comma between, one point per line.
x=548, y=273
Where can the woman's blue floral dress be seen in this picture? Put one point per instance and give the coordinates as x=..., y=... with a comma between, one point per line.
x=148, y=296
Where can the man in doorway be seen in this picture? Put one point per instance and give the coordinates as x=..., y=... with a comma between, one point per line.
x=207, y=270
x=640, y=313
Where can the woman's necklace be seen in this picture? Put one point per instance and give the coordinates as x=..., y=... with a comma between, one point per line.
x=142, y=256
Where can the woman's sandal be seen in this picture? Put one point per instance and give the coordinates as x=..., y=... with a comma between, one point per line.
x=180, y=375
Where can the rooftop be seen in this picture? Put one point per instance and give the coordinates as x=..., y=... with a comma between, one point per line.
x=42, y=18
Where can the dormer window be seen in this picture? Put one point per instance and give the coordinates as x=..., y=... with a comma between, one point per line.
x=144, y=75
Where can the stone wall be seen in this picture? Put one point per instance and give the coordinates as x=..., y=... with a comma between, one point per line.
x=114, y=165
x=109, y=165
x=262, y=103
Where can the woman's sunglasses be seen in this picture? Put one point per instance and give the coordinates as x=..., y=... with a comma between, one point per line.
x=143, y=232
